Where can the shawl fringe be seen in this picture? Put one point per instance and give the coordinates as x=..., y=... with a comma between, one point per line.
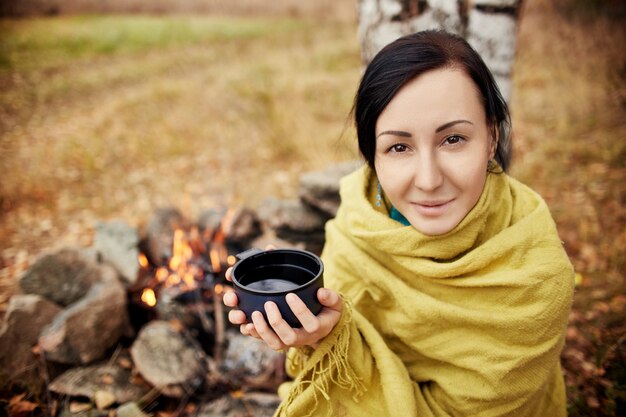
x=324, y=367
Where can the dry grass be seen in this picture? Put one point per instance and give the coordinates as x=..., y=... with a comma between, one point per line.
x=229, y=113
x=569, y=112
x=113, y=116
x=570, y=121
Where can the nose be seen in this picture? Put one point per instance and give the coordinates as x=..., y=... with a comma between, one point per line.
x=428, y=175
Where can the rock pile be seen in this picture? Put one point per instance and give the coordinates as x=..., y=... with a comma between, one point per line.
x=73, y=311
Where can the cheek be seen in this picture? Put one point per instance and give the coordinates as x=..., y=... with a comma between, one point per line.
x=393, y=176
x=471, y=182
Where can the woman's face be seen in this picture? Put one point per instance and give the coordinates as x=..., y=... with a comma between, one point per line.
x=432, y=149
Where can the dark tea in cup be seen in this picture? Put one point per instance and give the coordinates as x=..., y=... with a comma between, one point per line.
x=261, y=276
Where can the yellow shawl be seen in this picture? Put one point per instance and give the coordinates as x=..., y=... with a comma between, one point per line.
x=469, y=323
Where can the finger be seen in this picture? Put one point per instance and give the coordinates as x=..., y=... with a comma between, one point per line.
x=329, y=298
x=265, y=332
x=229, y=274
x=248, y=329
x=282, y=329
x=237, y=317
x=270, y=247
x=310, y=323
x=230, y=298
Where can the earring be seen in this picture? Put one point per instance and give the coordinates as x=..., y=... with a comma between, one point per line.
x=379, y=198
x=491, y=165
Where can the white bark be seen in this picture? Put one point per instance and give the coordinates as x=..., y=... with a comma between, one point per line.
x=490, y=26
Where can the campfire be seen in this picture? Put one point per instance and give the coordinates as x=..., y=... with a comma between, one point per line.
x=198, y=263
x=187, y=288
x=136, y=324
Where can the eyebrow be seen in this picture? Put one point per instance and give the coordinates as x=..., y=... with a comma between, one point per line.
x=439, y=129
x=450, y=124
x=395, y=133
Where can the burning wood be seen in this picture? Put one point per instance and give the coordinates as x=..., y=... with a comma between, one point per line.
x=188, y=268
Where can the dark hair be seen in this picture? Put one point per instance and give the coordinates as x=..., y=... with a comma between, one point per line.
x=413, y=55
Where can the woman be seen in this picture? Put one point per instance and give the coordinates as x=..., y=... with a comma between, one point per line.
x=448, y=289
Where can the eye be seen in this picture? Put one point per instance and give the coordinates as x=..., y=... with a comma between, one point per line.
x=398, y=148
x=453, y=140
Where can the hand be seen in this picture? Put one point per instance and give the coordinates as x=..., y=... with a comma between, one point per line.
x=277, y=333
x=236, y=317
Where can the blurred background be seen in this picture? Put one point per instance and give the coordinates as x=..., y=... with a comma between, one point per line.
x=109, y=109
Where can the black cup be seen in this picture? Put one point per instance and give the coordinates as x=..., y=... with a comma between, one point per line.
x=261, y=276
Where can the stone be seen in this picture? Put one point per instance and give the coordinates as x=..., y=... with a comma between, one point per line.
x=250, y=362
x=225, y=406
x=62, y=277
x=250, y=404
x=263, y=400
x=79, y=409
x=159, y=235
x=295, y=222
x=169, y=360
x=210, y=220
x=269, y=238
x=90, y=380
x=191, y=310
x=130, y=409
x=27, y=315
x=320, y=189
x=117, y=242
x=88, y=328
x=291, y=216
x=104, y=399
x=243, y=226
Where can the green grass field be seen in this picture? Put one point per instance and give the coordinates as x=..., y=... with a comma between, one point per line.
x=113, y=116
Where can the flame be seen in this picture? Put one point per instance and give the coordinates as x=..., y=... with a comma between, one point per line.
x=189, y=279
x=215, y=259
x=149, y=297
x=162, y=273
x=227, y=221
x=186, y=268
x=218, y=253
x=143, y=261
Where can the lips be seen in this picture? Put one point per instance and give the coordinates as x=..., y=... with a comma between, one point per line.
x=432, y=208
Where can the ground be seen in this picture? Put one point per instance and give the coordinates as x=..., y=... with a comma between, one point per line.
x=107, y=117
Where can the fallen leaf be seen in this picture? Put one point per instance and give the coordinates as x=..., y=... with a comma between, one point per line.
x=125, y=363
x=618, y=303
x=236, y=394
x=601, y=306
x=107, y=379
x=578, y=279
x=571, y=333
x=18, y=407
x=79, y=407
x=177, y=325
x=593, y=402
x=36, y=350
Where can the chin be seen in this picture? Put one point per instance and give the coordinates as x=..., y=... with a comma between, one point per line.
x=433, y=227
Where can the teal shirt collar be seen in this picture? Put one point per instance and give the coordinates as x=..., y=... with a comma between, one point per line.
x=397, y=216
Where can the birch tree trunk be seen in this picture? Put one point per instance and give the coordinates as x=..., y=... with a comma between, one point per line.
x=490, y=26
